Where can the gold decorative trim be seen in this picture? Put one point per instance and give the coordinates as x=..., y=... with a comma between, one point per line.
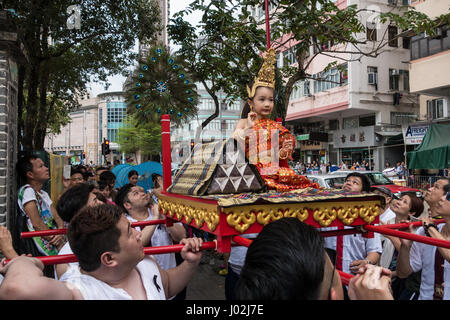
x=198, y=212
x=242, y=217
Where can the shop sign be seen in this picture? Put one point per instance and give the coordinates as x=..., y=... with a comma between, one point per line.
x=354, y=138
x=414, y=133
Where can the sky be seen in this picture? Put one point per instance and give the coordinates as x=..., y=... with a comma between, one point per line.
x=117, y=81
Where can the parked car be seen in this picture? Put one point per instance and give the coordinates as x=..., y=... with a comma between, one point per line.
x=328, y=180
x=378, y=178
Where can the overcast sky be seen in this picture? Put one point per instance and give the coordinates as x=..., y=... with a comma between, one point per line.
x=117, y=81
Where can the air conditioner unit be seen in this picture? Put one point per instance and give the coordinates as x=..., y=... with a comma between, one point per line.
x=394, y=72
x=372, y=78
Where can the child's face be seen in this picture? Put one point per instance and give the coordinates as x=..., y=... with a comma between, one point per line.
x=263, y=101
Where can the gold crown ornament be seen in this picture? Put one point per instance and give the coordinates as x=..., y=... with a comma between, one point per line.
x=266, y=75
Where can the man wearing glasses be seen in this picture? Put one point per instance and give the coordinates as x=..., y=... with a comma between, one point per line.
x=434, y=261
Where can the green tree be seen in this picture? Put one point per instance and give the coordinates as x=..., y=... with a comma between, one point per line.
x=63, y=57
x=136, y=135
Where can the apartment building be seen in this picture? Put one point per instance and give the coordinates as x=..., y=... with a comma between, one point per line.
x=97, y=119
x=429, y=67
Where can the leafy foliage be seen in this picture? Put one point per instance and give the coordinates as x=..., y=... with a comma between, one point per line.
x=62, y=60
x=136, y=135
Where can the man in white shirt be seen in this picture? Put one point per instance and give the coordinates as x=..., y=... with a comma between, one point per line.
x=138, y=206
x=354, y=251
x=112, y=264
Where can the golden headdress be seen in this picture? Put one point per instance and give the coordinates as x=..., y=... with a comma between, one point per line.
x=266, y=75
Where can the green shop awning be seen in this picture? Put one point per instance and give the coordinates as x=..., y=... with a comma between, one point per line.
x=434, y=151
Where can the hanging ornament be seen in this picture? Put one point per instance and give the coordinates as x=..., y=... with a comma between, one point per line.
x=170, y=61
x=144, y=67
x=138, y=106
x=179, y=114
x=175, y=67
x=186, y=81
x=181, y=76
x=158, y=110
x=137, y=96
x=159, y=51
x=171, y=111
x=141, y=75
x=153, y=59
x=138, y=84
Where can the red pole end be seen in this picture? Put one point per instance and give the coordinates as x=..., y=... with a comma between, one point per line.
x=166, y=151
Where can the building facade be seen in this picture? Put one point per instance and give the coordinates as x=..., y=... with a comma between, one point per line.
x=97, y=119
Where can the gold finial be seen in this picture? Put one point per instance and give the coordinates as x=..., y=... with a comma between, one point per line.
x=266, y=75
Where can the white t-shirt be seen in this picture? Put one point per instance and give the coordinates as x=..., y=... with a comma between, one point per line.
x=422, y=257
x=66, y=249
x=94, y=289
x=387, y=215
x=161, y=237
x=43, y=203
x=355, y=246
x=238, y=254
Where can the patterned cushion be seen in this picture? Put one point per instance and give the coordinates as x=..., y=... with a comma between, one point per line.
x=222, y=173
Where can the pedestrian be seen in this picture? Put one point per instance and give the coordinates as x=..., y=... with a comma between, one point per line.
x=352, y=252
x=36, y=205
x=133, y=177
x=405, y=208
x=434, y=194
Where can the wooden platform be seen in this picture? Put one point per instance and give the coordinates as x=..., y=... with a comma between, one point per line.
x=228, y=215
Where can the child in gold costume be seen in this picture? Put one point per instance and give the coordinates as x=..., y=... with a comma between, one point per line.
x=268, y=144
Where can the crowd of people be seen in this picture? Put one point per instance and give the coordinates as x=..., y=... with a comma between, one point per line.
x=287, y=260
x=111, y=263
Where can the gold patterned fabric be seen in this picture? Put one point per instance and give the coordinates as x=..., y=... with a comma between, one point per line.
x=214, y=169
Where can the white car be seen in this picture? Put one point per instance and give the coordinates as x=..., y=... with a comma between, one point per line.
x=335, y=181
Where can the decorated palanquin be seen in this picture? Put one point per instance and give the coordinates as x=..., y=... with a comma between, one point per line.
x=222, y=190
x=229, y=214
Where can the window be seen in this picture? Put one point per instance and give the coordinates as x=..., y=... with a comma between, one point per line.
x=330, y=79
x=349, y=123
x=406, y=43
x=393, y=79
x=400, y=118
x=435, y=109
x=372, y=73
x=392, y=36
x=404, y=80
x=289, y=56
x=366, y=121
x=334, y=124
x=371, y=31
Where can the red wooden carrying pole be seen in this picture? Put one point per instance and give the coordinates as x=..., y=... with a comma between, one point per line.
x=266, y=3
x=69, y=258
x=52, y=232
x=166, y=151
x=409, y=236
